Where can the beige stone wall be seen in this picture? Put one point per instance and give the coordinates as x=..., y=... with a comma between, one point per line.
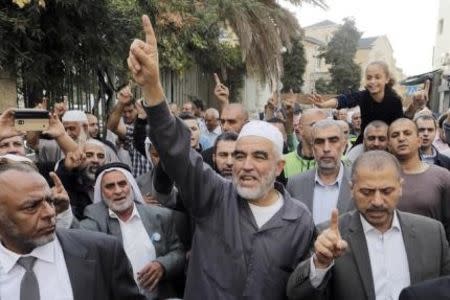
x=381, y=50
x=322, y=33
x=316, y=68
x=8, y=92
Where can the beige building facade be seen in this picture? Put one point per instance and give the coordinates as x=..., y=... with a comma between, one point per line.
x=369, y=49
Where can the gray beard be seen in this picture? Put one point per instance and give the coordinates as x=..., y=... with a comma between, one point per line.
x=24, y=243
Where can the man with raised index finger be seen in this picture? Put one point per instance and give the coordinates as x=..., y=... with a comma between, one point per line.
x=250, y=233
x=375, y=251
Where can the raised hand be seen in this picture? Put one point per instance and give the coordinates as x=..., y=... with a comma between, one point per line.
x=55, y=126
x=59, y=194
x=7, y=128
x=75, y=160
x=316, y=100
x=329, y=244
x=144, y=65
x=289, y=100
x=421, y=98
x=61, y=107
x=140, y=110
x=124, y=96
x=221, y=92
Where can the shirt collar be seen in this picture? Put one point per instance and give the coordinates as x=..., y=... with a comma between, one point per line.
x=368, y=227
x=134, y=214
x=338, y=180
x=217, y=130
x=8, y=258
x=433, y=153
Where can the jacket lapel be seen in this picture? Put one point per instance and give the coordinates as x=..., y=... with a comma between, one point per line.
x=81, y=269
x=358, y=246
x=150, y=222
x=344, y=198
x=308, y=187
x=114, y=227
x=412, y=248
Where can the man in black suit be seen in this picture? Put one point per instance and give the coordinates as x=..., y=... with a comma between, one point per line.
x=40, y=264
x=376, y=251
x=436, y=289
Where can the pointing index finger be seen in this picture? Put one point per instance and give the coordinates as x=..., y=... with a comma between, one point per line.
x=217, y=79
x=334, y=221
x=56, y=179
x=427, y=86
x=148, y=29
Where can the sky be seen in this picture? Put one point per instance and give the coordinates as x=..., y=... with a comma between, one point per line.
x=410, y=25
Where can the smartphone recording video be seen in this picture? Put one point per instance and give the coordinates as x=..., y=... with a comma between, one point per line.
x=31, y=119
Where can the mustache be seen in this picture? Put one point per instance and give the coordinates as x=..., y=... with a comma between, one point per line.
x=377, y=209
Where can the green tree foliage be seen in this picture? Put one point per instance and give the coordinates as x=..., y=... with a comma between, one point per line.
x=294, y=64
x=322, y=86
x=43, y=45
x=340, y=52
x=50, y=42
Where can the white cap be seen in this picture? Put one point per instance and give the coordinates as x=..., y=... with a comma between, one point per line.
x=75, y=116
x=16, y=158
x=265, y=130
x=93, y=141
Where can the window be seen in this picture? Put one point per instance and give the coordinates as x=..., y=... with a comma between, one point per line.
x=441, y=26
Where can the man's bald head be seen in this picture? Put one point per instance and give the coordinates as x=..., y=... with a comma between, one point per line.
x=375, y=160
x=308, y=118
x=402, y=121
x=233, y=118
x=211, y=119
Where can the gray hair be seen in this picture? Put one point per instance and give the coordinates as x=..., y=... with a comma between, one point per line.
x=212, y=111
x=327, y=123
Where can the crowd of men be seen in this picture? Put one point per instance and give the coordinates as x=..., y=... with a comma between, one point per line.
x=194, y=203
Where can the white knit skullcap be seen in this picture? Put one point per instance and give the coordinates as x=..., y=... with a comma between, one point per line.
x=95, y=142
x=16, y=158
x=75, y=116
x=265, y=130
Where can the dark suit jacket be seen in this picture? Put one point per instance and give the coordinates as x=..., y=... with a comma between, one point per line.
x=435, y=289
x=351, y=276
x=442, y=161
x=301, y=187
x=169, y=250
x=98, y=267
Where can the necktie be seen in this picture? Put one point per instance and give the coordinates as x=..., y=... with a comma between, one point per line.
x=29, y=287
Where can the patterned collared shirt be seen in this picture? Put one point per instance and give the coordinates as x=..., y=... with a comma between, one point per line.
x=139, y=164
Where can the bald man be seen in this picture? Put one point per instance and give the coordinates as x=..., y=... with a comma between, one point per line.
x=427, y=187
x=302, y=159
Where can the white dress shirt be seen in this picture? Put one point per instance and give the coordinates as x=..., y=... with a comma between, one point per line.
x=136, y=241
x=388, y=261
x=326, y=197
x=50, y=269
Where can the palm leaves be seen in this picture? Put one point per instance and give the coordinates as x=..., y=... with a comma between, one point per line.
x=263, y=29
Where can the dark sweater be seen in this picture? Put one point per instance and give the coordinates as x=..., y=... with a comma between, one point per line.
x=388, y=110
